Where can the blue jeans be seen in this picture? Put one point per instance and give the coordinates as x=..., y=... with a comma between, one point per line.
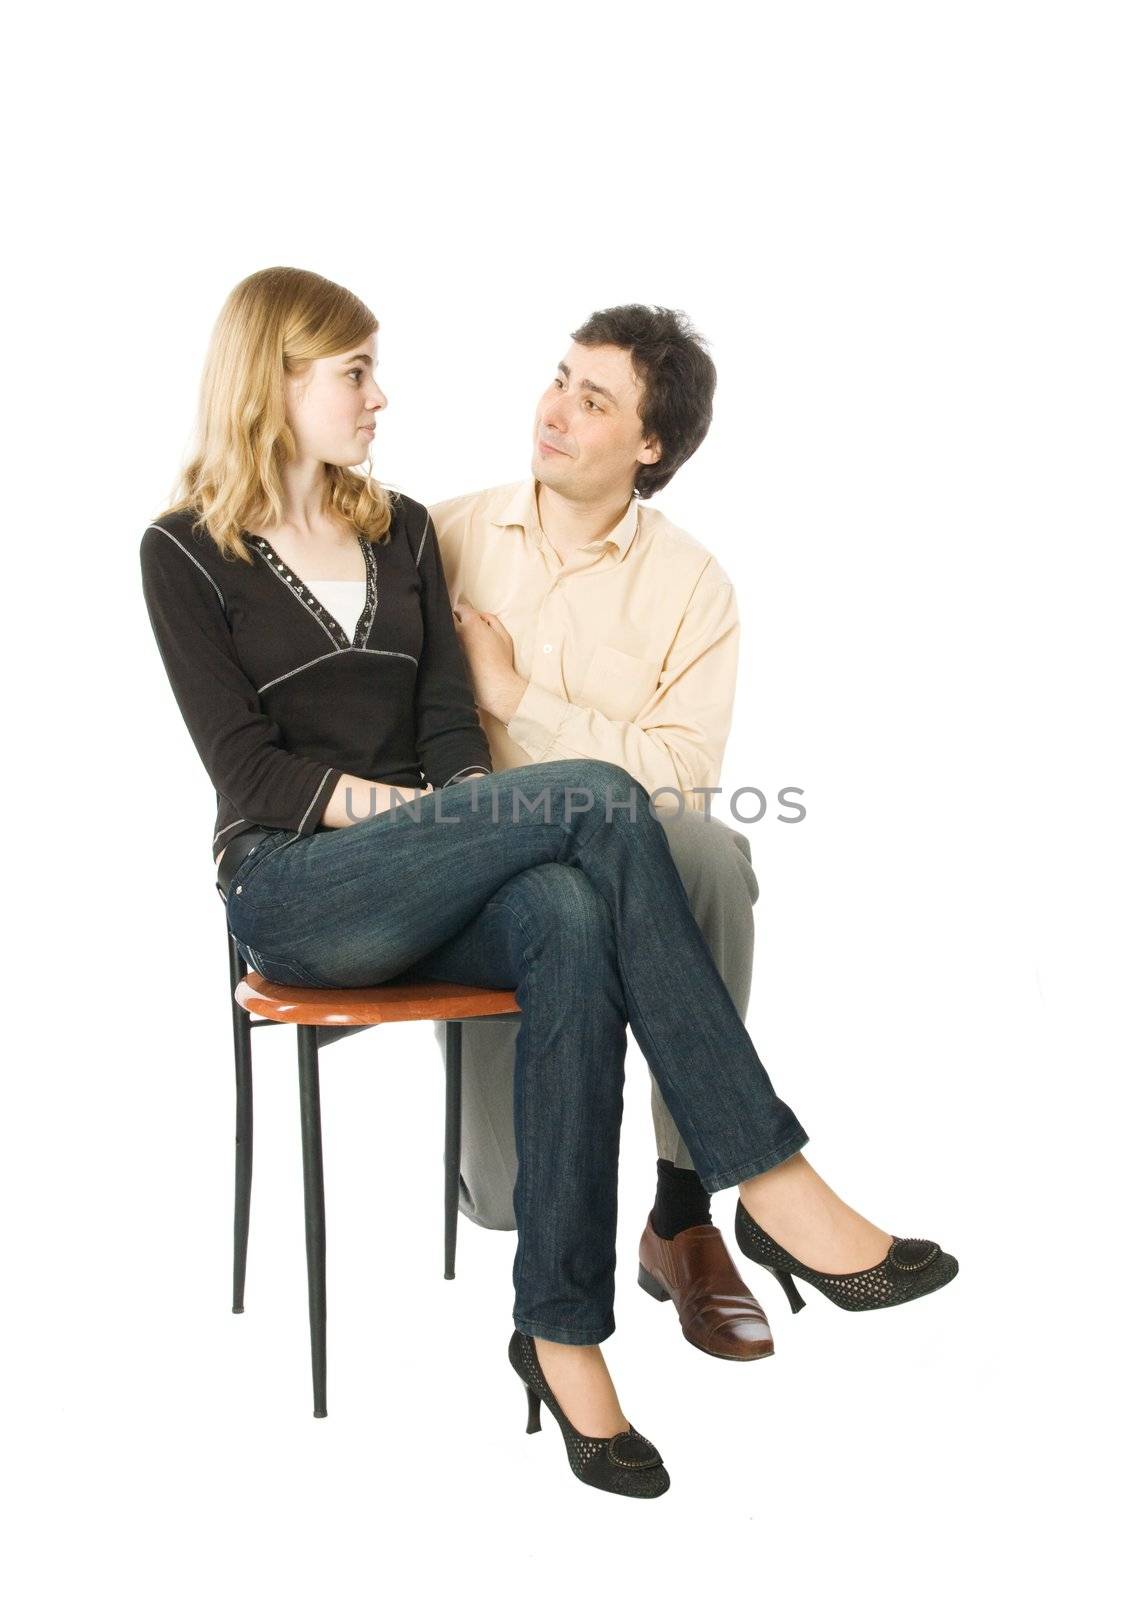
x=578, y=907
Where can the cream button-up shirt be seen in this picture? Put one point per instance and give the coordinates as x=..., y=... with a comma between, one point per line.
x=629, y=646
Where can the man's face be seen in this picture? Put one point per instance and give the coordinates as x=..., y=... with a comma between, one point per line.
x=588, y=441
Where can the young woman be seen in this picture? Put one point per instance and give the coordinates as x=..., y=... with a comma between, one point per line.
x=304, y=622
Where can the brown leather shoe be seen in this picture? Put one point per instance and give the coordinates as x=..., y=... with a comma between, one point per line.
x=717, y=1311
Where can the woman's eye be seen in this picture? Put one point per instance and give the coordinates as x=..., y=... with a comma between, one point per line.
x=356, y=373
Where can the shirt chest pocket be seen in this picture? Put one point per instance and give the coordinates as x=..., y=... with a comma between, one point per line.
x=617, y=684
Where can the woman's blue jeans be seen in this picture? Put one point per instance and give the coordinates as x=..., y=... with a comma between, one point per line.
x=554, y=880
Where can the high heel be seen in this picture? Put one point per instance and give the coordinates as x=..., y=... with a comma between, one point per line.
x=626, y=1463
x=533, y=1410
x=910, y=1268
x=792, y=1295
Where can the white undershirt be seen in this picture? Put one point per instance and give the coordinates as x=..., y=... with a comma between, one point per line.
x=344, y=597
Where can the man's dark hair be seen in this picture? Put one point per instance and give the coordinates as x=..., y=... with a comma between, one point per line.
x=678, y=379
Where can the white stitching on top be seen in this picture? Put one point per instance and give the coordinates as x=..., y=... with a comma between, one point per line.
x=352, y=650
x=196, y=561
x=403, y=653
x=227, y=829
x=312, y=803
x=329, y=655
x=424, y=536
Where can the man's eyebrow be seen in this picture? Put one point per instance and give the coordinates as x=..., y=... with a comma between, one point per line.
x=597, y=388
x=586, y=383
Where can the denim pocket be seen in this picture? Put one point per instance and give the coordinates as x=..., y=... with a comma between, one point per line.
x=277, y=970
x=261, y=852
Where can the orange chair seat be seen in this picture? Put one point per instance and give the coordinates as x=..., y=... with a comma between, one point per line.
x=426, y=1000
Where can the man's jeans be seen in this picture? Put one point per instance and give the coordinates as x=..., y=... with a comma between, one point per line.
x=714, y=864
x=576, y=905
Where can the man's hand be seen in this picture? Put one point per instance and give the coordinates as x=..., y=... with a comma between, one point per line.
x=487, y=646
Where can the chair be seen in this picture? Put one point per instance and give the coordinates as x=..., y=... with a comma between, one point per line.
x=321, y=1017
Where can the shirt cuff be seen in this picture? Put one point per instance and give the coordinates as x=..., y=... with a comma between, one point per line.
x=311, y=821
x=466, y=772
x=539, y=720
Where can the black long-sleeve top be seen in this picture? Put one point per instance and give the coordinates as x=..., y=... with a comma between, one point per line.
x=280, y=702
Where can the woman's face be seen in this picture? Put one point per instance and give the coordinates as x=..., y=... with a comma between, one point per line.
x=332, y=408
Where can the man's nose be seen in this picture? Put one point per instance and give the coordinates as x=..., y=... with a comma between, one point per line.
x=554, y=415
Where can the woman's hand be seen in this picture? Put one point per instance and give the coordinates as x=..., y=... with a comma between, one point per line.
x=357, y=799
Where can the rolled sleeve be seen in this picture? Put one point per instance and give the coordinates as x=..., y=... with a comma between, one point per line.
x=539, y=720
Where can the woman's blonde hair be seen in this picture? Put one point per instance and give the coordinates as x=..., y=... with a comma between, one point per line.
x=274, y=323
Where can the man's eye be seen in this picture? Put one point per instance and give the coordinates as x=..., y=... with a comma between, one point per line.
x=592, y=405
x=558, y=383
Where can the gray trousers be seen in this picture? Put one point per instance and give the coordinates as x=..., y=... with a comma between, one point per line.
x=714, y=864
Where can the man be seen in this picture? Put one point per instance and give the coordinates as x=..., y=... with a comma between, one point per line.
x=592, y=626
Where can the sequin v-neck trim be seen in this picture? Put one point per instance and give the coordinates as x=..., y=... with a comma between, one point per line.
x=310, y=602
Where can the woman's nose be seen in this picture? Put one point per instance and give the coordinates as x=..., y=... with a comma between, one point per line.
x=379, y=399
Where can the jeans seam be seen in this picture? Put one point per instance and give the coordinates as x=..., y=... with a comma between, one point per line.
x=300, y=975
x=254, y=959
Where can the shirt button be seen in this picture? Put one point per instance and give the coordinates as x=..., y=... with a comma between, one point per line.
x=547, y=649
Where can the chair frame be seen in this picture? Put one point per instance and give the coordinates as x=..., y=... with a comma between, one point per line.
x=311, y=1040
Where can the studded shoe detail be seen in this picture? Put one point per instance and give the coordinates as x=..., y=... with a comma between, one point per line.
x=627, y=1463
x=911, y=1268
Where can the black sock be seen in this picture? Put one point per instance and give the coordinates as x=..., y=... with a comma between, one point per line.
x=680, y=1200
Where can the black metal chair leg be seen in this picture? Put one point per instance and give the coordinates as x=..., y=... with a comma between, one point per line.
x=243, y=1126
x=452, y=1142
x=315, y=1206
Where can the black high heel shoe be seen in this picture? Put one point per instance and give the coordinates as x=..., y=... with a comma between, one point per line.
x=627, y=1463
x=911, y=1268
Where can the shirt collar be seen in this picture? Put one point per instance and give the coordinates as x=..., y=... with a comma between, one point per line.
x=520, y=512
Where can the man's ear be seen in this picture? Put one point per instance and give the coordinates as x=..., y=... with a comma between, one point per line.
x=651, y=452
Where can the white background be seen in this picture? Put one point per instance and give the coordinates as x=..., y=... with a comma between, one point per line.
x=911, y=235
